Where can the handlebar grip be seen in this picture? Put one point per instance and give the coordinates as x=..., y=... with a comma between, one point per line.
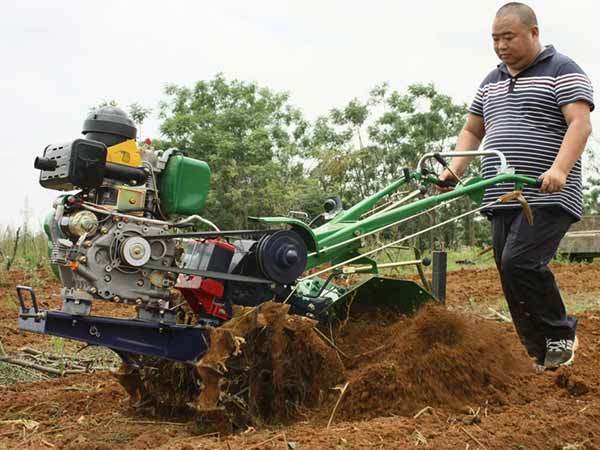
x=538, y=182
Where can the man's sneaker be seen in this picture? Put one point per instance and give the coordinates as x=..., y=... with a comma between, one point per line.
x=559, y=352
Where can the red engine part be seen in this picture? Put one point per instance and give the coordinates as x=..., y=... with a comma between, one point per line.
x=204, y=293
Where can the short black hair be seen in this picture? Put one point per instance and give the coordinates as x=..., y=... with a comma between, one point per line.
x=521, y=10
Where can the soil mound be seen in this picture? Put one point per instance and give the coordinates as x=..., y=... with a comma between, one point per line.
x=436, y=358
x=263, y=366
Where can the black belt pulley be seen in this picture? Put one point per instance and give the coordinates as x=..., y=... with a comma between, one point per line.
x=282, y=256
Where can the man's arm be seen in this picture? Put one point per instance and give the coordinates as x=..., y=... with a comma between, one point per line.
x=469, y=138
x=577, y=116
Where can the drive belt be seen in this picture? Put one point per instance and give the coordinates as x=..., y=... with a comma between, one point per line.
x=208, y=274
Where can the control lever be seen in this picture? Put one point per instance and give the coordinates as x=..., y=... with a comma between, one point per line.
x=439, y=158
x=433, y=179
x=445, y=183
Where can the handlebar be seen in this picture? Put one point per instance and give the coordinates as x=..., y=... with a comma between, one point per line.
x=453, y=183
x=439, y=156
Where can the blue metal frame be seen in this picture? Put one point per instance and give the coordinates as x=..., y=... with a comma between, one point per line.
x=177, y=342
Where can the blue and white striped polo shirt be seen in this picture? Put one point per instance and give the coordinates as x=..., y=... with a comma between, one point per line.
x=524, y=121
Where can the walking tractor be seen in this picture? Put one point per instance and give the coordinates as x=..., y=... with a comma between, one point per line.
x=125, y=232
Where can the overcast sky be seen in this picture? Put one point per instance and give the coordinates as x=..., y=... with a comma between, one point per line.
x=58, y=58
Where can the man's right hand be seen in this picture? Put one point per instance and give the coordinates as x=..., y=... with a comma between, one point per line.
x=468, y=139
x=447, y=178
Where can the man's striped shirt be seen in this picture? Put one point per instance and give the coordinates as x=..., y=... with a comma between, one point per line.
x=523, y=120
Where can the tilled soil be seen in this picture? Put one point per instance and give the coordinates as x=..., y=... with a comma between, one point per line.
x=437, y=358
x=443, y=379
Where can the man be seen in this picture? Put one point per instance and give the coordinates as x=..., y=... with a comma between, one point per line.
x=535, y=108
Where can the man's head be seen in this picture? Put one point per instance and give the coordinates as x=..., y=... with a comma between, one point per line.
x=516, y=35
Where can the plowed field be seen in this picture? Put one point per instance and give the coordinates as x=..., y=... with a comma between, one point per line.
x=447, y=378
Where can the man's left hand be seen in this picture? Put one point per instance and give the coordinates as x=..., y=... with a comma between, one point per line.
x=553, y=180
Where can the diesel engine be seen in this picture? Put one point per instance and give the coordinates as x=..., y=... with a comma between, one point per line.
x=126, y=230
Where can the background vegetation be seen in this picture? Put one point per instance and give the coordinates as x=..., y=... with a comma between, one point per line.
x=267, y=158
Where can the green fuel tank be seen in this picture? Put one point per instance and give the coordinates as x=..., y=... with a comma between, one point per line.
x=183, y=186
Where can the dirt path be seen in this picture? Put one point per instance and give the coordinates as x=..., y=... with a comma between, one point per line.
x=440, y=380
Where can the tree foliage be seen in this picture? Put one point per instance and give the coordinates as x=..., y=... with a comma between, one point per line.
x=591, y=198
x=103, y=104
x=253, y=139
x=267, y=159
x=139, y=114
x=362, y=147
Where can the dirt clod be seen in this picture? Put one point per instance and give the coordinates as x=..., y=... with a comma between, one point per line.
x=574, y=385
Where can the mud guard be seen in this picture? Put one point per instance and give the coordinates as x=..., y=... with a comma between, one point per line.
x=377, y=292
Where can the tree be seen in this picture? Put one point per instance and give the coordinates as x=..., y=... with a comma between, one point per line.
x=364, y=146
x=139, y=114
x=254, y=141
x=591, y=175
x=267, y=159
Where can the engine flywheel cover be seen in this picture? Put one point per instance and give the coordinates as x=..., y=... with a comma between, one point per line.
x=282, y=256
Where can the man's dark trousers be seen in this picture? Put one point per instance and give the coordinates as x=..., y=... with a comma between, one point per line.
x=522, y=254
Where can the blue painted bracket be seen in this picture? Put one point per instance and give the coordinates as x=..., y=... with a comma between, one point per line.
x=176, y=342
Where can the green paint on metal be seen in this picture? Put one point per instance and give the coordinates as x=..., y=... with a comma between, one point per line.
x=373, y=292
x=184, y=186
x=323, y=242
x=375, y=222
x=381, y=292
x=47, y=224
x=365, y=205
x=475, y=196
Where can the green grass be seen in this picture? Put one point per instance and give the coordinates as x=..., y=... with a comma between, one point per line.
x=23, y=249
x=470, y=257
x=574, y=303
x=57, y=344
x=11, y=374
x=32, y=255
x=12, y=303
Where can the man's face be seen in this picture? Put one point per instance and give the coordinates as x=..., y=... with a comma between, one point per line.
x=514, y=42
